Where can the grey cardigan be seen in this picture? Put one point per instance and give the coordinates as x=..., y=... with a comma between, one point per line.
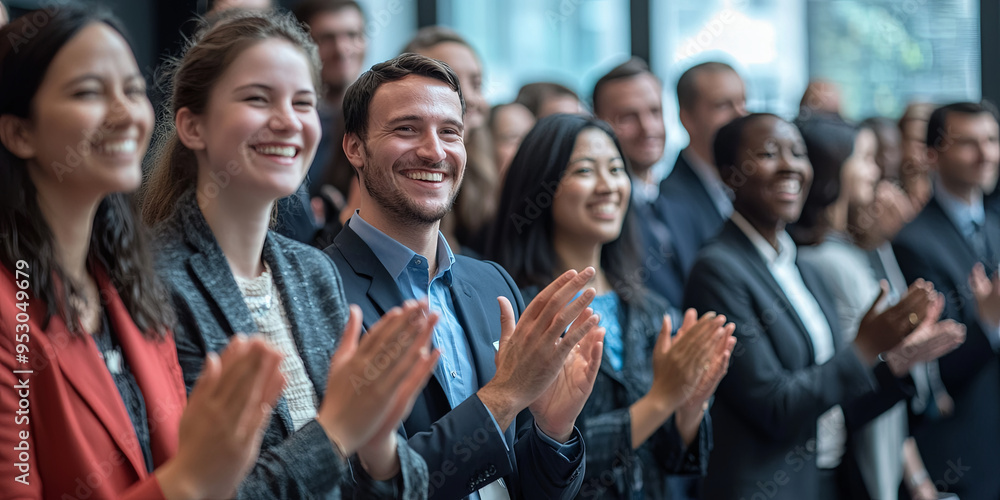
x=292, y=464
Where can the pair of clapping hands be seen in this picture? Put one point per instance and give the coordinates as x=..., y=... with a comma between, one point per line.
x=908, y=332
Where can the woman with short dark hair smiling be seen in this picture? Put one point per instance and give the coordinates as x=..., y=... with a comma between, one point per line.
x=779, y=416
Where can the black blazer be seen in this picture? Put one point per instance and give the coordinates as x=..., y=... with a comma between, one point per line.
x=614, y=469
x=210, y=309
x=684, y=187
x=960, y=451
x=765, y=410
x=461, y=446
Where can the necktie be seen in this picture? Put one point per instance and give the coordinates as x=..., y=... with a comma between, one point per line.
x=980, y=244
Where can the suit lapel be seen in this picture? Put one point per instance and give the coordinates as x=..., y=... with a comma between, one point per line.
x=79, y=360
x=211, y=269
x=382, y=289
x=316, y=366
x=709, y=213
x=814, y=284
x=748, y=252
x=939, y=219
x=157, y=373
x=475, y=325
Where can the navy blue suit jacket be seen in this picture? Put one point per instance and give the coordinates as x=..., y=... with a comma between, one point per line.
x=667, y=262
x=462, y=449
x=960, y=451
x=684, y=187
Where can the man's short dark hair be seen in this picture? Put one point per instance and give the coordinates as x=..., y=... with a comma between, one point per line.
x=687, y=90
x=306, y=10
x=628, y=69
x=937, y=126
x=533, y=95
x=429, y=37
x=358, y=97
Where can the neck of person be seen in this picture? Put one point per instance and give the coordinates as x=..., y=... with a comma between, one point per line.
x=240, y=225
x=965, y=192
x=70, y=217
x=644, y=173
x=576, y=255
x=422, y=238
x=836, y=215
x=769, y=230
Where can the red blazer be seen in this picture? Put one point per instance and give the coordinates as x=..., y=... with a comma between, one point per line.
x=79, y=438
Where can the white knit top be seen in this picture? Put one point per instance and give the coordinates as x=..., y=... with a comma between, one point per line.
x=264, y=302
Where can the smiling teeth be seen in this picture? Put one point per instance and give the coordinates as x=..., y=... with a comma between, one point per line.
x=426, y=176
x=606, y=208
x=287, y=151
x=790, y=186
x=126, y=146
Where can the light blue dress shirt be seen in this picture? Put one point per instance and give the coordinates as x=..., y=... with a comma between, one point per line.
x=962, y=214
x=410, y=271
x=609, y=306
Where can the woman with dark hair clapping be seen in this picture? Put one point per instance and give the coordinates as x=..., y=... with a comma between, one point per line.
x=565, y=206
x=91, y=393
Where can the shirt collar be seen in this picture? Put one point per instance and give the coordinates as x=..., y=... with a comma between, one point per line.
x=643, y=191
x=395, y=256
x=773, y=258
x=709, y=176
x=961, y=213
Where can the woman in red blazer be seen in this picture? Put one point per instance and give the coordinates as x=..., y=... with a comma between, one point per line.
x=91, y=395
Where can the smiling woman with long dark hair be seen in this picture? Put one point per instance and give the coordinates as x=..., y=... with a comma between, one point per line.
x=565, y=206
x=91, y=393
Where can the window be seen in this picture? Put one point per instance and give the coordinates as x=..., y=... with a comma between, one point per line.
x=764, y=40
x=571, y=42
x=885, y=53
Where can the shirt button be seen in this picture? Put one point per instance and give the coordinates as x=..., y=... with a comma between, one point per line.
x=454, y=374
x=418, y=261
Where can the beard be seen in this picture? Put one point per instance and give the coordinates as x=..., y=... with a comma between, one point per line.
x=379, y=185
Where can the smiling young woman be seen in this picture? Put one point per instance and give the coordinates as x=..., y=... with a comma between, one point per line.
x=565, y=205
x=796, y=388
x=90, y=375
x=245, y=132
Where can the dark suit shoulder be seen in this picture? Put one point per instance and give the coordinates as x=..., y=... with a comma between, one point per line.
x=717, y=254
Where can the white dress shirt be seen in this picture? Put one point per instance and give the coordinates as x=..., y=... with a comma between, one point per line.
x=831, y=433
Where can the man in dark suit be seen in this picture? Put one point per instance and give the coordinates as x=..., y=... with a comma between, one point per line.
x=709, y=96
x=404, y=122
x=954, y=242
x=629, y=98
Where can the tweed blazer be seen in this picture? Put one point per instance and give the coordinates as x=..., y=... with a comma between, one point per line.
x=210, y=309
x=614, y=469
